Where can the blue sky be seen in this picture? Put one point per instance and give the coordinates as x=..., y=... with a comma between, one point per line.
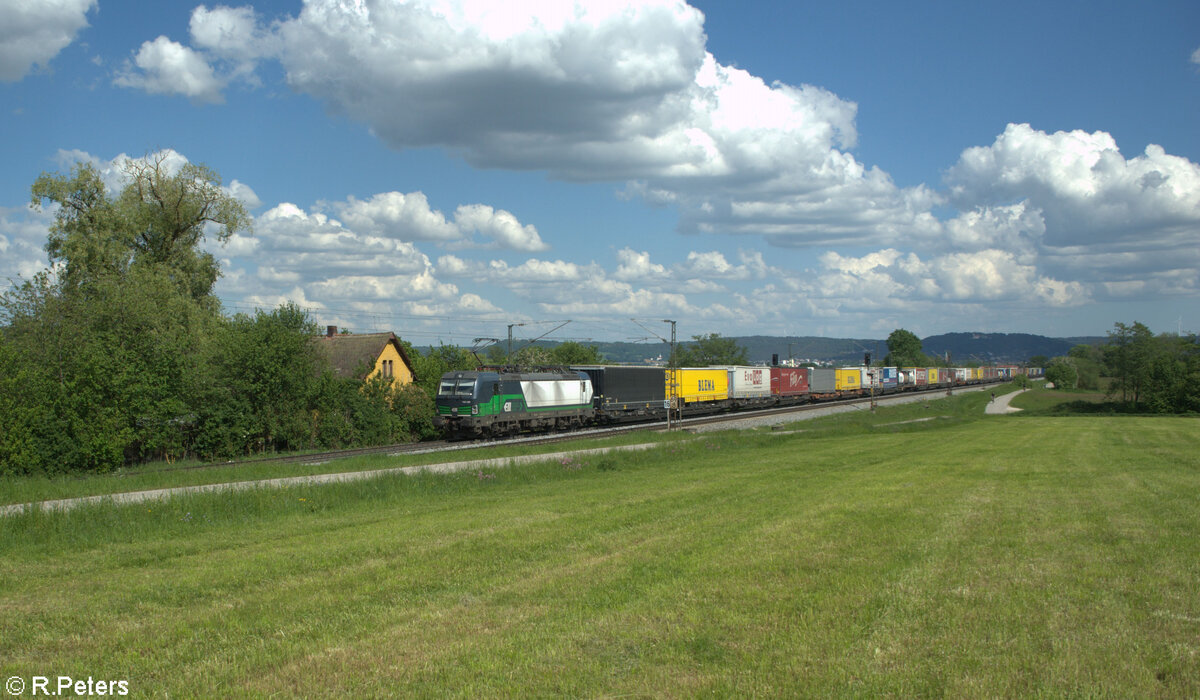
x=444, y=169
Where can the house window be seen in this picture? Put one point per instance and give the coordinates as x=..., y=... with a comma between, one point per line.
x=387, y=368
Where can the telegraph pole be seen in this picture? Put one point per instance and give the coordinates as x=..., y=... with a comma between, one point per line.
x=508, y=357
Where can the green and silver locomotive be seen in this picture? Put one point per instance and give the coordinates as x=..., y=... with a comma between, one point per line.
x=481, y=403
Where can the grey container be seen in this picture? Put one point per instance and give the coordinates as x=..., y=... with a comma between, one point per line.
x=822, y=381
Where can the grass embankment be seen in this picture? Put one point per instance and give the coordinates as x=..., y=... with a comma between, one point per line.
x=991, y=557
x=31, y=489
x=1043, y=401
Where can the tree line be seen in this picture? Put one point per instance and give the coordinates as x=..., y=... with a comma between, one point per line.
x=1146, y=372
x=120, y=351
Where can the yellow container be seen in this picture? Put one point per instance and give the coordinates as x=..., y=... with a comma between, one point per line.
x=700, y=384
x=849, y=379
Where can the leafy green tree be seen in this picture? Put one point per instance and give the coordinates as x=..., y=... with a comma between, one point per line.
x=1086, y=352
x=1172, y=381
x=1128, y=354
x=412, y=413
x=904, y=350
x=264, y=372
x=711, y=349
x=110, y=336
x=575, y=353
x=531, y=356
x=159, y=219
x=1089, y=364
x=115, y=366
x=495, y=355
x=1062, y=373
x=119, y=352
x=430, y=366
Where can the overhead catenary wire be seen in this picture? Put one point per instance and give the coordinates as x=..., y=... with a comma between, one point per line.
x=444, y=329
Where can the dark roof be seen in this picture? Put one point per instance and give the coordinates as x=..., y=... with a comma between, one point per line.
x=354, y=355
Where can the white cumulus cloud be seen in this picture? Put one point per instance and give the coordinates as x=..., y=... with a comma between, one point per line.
x=33, y=33
x=499, y=225
x=403, y=216
x=599, y=90
x=410, y=217
x=1087, y=192
x=165, y=67
x=890, y=276
x=233, y=35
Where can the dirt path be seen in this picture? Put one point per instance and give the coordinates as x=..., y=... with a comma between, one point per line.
x=999, y=406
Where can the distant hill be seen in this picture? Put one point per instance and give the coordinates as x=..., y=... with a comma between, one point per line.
x=998, y=347
x=759, y=349
x=962, y=347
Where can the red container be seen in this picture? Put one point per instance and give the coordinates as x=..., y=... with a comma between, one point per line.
x=789, y=381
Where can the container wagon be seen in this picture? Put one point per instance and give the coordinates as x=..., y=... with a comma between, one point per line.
x=849, y=379
x=789, y=384
x=750, y=386
x=627, y=393
x=700, y=384
x=823, y=382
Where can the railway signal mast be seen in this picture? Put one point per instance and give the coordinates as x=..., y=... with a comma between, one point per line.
x=870, y=378
x=673, y=386
x=672, y=374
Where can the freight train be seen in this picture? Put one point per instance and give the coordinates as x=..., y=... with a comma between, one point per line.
x=498, y=401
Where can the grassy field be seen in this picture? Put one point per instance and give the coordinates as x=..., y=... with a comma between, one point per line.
x=1044, y=401
x=867, y=555
x=30, y=489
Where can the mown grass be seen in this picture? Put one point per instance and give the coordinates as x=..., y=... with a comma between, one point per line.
x=948, y=557
x=1041, y=402
x=30, y=489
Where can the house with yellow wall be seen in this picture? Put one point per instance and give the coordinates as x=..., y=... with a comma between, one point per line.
x=366, y=355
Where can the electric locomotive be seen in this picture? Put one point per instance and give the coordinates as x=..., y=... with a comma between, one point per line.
x=498, y=402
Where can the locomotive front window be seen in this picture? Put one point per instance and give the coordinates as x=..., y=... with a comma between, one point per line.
x=466, y=387
x=457, y=387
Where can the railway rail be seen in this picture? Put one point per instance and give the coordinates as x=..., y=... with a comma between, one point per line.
x=688, y=424
x=435, y=446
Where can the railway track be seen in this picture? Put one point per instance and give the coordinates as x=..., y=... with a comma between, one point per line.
x=684, y=423
x=446, y=447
